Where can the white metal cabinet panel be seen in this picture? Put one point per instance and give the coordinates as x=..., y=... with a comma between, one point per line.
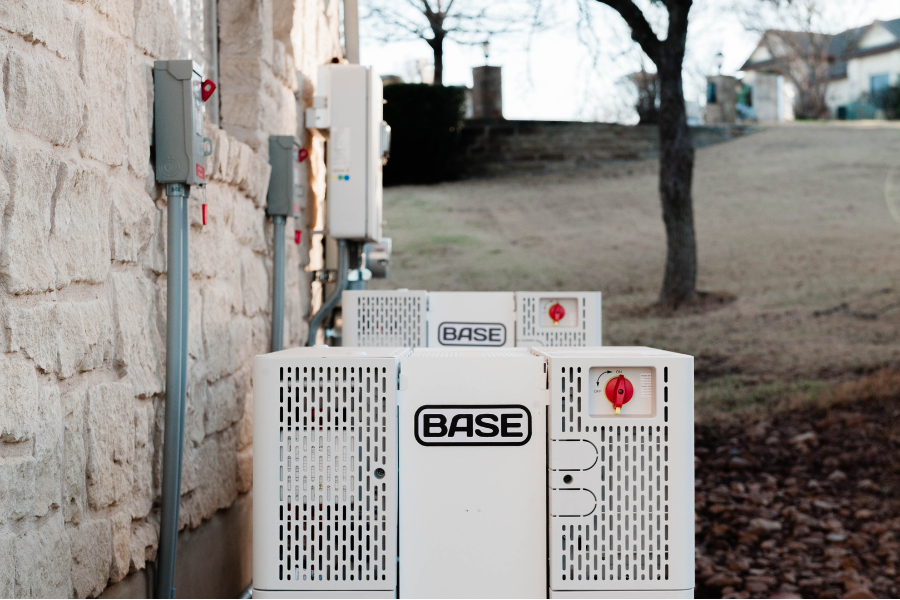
x=384, y=318
x=639, y=535
x=324, y=422
x=473, y=319
x=473, y=518
x=581, y=325
x=353, y=115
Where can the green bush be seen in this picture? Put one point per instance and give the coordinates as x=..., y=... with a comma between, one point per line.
x=425, y=124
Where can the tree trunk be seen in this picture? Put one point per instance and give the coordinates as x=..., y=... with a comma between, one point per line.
x=437, y=46
x=676, y=167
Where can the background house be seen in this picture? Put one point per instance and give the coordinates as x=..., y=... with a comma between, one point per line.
x=861, y=64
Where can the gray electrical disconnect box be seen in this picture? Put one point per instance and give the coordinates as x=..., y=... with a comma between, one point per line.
x=178, y=122
x=287, y=185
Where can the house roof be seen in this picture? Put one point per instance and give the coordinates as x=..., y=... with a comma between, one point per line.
x=841, y=47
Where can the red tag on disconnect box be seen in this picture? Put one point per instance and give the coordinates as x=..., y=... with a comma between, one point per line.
x=201, y=172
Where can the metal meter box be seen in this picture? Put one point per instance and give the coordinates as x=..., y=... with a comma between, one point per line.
x=378, y=258
x=473, y=319
x=621, y=486
x=325, y=473
x=287, y=183
x=482, y=319
x=349, y=105
x=473, y=474
x=178, y=122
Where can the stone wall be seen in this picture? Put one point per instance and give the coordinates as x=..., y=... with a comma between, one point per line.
x=82, y=272
x=496, y=147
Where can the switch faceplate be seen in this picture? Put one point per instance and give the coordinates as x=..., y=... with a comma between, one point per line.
x=643, y=404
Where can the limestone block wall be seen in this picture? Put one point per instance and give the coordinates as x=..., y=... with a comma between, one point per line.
x=82, y=272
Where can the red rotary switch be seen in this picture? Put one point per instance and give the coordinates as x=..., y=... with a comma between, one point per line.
x=557, y=313
x=619, y=391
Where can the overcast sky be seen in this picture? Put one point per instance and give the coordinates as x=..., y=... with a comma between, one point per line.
x=556, y=79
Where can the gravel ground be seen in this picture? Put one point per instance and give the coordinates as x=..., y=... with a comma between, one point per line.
x=804, y=504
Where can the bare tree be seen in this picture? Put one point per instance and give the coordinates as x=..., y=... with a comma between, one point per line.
x=467, y=22
x=676, y=165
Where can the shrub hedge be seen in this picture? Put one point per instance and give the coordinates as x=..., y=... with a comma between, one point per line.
x=425, y=123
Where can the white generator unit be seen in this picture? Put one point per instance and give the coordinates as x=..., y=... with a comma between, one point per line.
x=471, y=319
x=512, y=472
x=349, y=105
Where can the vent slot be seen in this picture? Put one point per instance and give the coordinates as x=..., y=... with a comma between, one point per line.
x=626, y=538
x=336, y=527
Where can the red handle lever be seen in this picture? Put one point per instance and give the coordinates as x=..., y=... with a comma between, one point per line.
x=206, y=89
x=557, y=312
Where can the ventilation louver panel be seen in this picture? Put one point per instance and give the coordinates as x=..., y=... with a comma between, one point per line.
x=336, y=478
x=635, y=532
x=386, y=319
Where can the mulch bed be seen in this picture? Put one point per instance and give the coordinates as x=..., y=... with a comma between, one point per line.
x=803, y=505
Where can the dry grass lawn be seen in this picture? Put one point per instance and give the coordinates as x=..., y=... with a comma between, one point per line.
x=792, y=221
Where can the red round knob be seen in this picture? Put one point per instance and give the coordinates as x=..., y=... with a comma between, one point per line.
x=557, y=312
x=619, y=391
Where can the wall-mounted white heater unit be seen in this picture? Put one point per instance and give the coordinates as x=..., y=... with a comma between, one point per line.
x=325, y=471
x=348, y=104
x=471, y=319
x=532, y=473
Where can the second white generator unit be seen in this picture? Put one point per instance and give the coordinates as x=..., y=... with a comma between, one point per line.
x=471, y=319
x=510, y=472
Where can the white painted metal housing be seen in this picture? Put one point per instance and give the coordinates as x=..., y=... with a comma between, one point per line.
x=325, y=471
x=471, y=319
x=581, y=325
x=570, y=500
x=473, y=516
x=385, y=318
x=349, y=105
x=421, y=319
x=621, y=486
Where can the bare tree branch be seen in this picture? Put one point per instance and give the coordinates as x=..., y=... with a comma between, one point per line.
x=641, y=32
x=466, y=22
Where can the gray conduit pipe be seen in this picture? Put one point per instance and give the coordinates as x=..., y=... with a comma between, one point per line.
x=176, y=370
x=185, y=310
x=329, y=305
x=278, y=286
